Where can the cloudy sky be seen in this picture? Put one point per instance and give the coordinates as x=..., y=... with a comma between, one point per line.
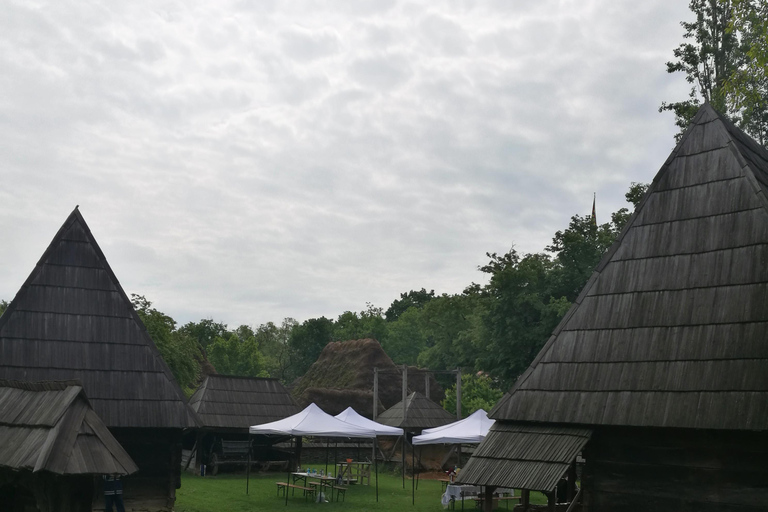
x=252, y=160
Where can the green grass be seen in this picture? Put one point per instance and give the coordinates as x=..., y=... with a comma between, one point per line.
x=226, y=493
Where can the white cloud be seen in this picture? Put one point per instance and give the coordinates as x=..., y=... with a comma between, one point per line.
x=256, y=160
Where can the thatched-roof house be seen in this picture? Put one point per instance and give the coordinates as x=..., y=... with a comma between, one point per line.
x=343, y=377
x=227, y=406
x=420, y=413
x=53, y=444
x=659, y=372
x=71, y=319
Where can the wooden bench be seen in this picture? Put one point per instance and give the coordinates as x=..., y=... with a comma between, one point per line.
x=284, y=486
x=340, y=491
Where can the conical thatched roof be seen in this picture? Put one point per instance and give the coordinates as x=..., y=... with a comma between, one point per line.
x=343, y=377
x=672, y=328
x=420, y=413
x=227, y=402
x=71, y=319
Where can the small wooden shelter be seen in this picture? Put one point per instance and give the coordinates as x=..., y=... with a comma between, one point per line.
x=419, y=413
x=228, y=406
x=658, y=375
x=53, y=445
x=71, y=319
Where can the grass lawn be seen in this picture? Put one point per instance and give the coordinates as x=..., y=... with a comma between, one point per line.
x=226, y=493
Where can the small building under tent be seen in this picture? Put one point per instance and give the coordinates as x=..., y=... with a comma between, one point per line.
x=658, y=375
x=54, y=448
x=418, y=414
x=71, y=319
x=227, y=406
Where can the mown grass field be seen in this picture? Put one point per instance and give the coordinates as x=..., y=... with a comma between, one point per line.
x=226, y=493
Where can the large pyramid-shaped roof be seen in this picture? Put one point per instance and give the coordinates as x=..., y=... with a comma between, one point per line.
x=72, y=320
x=672, y=328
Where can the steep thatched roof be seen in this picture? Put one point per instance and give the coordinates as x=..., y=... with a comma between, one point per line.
x=71, y=319
x=671, y=329
x=50, y=426
x=420, y=413
x=343, y=376
x=227, y=402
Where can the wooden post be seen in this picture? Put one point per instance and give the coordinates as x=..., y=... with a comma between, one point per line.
x=405, y=391
x=571, y=482
x=525, y=499
x=375, y=392
x=488, y=498
x=551, y=501
x=458, y=393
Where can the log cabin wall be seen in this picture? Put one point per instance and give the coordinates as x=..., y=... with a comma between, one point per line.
x=676, y=470
x=157, y=452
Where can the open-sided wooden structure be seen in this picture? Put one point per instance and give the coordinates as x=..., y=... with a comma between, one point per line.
x=53, y=446
x=227, y=406
x=71, y=319
x=659, y=372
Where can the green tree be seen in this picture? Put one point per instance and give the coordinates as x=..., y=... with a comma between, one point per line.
x=405, y=339
x=180, y=351
x=306, y=342
x=205, y=331
x=411, y=299
x=3, y=306
x=273, y=343
x=449, y=324
x=711, y=55
x=478, y=391
x=521, y=312
x=367, y=324
x=746, y=89
x=238, y=356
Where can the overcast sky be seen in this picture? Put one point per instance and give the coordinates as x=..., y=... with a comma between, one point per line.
x=253, y=160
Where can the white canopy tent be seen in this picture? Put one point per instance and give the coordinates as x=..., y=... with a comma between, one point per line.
x=313, y=421
x=470, y=430
x=349, y=415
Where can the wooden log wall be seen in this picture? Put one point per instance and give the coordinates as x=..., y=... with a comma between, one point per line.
x=676, y=470
x=157, y=453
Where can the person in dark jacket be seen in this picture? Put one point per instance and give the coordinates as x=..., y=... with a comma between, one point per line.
x=113, y=493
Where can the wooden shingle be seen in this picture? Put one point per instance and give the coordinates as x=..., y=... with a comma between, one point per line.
x=670, y=330
x=71, y=319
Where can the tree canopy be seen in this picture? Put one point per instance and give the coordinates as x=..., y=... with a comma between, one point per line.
x=723, y=57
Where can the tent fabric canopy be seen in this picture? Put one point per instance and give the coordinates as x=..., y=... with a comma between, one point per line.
x=470, y=430
x=313, y=421
x=349, y=415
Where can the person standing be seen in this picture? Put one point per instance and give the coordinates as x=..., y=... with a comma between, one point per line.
x=113, y=493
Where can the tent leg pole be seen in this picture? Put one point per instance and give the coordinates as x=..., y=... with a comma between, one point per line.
x=376, y=465
x=413, y=476
x=248, y=468
x=288, y=477
x=403, y=461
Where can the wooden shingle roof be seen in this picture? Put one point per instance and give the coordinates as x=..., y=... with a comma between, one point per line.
x=519, y=455
x=672, y=328
x=421, y=413
x=50, y=426
x=228, y=402
x=71, y=319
